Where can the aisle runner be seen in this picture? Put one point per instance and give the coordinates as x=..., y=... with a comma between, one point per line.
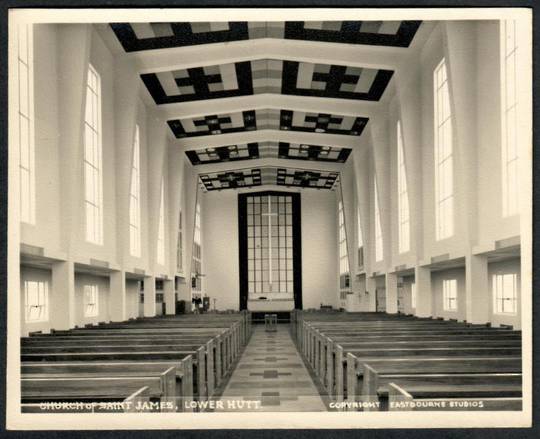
x=272, y=375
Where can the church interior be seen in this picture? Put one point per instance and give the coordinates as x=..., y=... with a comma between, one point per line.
x=308, y=215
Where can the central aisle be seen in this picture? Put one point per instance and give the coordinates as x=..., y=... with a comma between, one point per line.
x=272, y=372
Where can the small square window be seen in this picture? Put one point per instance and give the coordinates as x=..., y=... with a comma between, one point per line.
x=37, y=301
x=91, y=298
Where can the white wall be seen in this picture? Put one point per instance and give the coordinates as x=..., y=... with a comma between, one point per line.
x=219, y=212
x=319, y=248
x=46, y=231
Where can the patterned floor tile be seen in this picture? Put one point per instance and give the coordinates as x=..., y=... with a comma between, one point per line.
x=271, y=372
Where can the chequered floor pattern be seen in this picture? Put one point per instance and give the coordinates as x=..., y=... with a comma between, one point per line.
x=272, y=372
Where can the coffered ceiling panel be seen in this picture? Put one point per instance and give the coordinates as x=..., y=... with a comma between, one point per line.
x=256, y=150
x=148, y=36
x=267, y=76
x=289, y=177
x=235, y=122
x=252, y=91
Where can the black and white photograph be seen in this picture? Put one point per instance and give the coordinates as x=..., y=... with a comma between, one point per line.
x=269, y=218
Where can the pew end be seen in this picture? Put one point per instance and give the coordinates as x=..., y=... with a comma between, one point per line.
x=140, y=396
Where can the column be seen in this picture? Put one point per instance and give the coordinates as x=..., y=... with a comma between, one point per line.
x=424, y=293
x=391, y=293
x=149, y=296
x=117, y=297
x=169, y=296
x=62, y=300
x=476, y=289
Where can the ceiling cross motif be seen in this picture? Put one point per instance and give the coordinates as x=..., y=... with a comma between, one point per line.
x=150, y=36
x=319, y=96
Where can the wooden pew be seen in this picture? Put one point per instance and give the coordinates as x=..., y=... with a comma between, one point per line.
x=324, y=354
x=199, y=363
x=228, y=347
x=128, y=405
x=214, y=344
x=409, y=398
x=100, y=389
x=417, y=352
x=183, y=372
x=222, y=344
x=374, y=376
x=489, y=393
x=219, y=352
x=332, y=364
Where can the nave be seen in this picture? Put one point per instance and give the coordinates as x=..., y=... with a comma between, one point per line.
x=357, y=362
x=272, y=372
x=175, y=182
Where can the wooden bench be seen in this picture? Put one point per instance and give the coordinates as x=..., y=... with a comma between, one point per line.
x=324, y=345
x=219, y=353
x=136, y=349
x=332, y=363
x=100, y=389
x=183, y=372
x=371, y=377
x=489, y=393
x=427, y=398
x=202, y=387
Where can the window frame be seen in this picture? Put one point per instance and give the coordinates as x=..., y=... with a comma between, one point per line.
x=342, y=241
x=91, y=308
x=379, y=239
x=93, y=159
x=270, y=262
x=360, y=239
x=196, y=257
x=25, y=124
x=500, y=299
x=444, y=154
x=404, y=220
x=135, y=197
x=450, y=295
x=509, y=125
x=42, y=296
x=179, y=246
x=160, y=245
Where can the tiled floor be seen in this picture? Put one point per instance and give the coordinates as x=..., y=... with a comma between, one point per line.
x=271, y=371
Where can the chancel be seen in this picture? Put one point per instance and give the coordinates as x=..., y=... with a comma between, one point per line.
x=270, y=216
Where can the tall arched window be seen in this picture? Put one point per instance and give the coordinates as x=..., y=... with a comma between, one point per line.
x=161, y=227
x=25, y=103
x=379, y=249
x=93, y=161
x=509, y=101
x=444, y=164
x=134, y=198
x=403, y=196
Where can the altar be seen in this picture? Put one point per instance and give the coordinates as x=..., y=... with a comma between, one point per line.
x=274, y=305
